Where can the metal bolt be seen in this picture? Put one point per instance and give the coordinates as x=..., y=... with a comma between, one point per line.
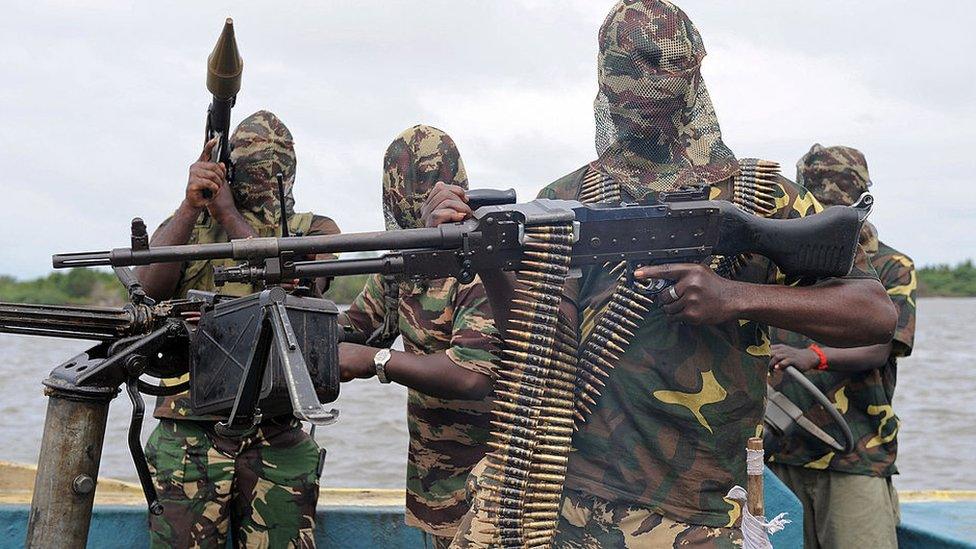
x=595, y=242
x=83, y=484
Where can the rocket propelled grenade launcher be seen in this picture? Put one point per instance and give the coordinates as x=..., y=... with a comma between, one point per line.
x=672, y=228
x=224, y=69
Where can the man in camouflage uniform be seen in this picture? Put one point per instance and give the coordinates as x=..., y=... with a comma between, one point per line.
x=665, y=442
x=449, y=341
x=264, y=486
x=848, y=500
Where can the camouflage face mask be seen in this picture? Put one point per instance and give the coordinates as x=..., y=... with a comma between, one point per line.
x=835, y=175
x=262, y=147
x=415, y=161
x=656, y=128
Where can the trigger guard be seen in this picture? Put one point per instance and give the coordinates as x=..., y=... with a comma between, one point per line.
x=649, y=286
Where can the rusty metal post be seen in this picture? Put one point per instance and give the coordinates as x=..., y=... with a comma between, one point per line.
x=67, y=468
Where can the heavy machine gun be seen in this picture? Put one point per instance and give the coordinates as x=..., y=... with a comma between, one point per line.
x=273, y=352
x=672, y=228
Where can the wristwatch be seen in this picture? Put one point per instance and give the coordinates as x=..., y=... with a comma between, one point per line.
x=379, y=363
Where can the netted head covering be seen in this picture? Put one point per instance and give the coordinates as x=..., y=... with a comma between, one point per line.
x=835, y=175
x=262, y=147
x=415, y=161
x=656, y=128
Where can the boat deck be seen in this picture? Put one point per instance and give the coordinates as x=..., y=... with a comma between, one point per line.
x=368, y=518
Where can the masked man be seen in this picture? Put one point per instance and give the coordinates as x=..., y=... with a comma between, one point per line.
x=655, y=459
x=848, y=500
x=449, y=341
x=264, y=485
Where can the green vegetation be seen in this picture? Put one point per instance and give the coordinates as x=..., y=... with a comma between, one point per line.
x=345, y=288
x=91, y=287
x=77, y=286
x=946, y=281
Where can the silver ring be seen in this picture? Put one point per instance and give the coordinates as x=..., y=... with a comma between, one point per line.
x=673, y=293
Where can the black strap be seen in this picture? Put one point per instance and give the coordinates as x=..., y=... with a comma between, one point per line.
x=387, y=332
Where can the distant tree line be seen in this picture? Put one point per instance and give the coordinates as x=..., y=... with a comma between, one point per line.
x=946, y=281
x=92, y=287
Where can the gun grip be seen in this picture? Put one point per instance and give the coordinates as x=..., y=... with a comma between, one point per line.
x=478, y=198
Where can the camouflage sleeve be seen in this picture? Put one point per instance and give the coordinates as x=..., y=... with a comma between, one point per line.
x=794, y=201
x=897, y=274
x=366, y=312
x=564, y=188
x=474, y=340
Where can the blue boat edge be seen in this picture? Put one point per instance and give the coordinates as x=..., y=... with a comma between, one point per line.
x=366, y=518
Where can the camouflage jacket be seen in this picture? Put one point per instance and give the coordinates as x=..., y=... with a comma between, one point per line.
x=864, y=398
x=447, y=437
x=198, y=275
x=669, y=430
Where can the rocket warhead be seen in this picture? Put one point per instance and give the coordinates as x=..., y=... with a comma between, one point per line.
x=224, y=66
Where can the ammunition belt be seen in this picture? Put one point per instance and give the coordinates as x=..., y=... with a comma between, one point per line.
x=534, y=398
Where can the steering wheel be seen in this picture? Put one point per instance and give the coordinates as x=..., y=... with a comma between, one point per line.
x=783, y=417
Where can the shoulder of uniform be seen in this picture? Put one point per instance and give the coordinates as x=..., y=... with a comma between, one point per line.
x=566, y=187
x=887, y=251
x=323, y=224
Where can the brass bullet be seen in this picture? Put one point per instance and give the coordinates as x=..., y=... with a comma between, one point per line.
x=555, y=428
x=521, y=387
x=586, y=376
x=548, y=299
x=502, y=440
x=517, y=408
x=605, y=342
x=594, y=362
x=515, y=430
x=557, y=421
x=620, y=319
x=534, y=329
x=545, y=486
x=547, y=477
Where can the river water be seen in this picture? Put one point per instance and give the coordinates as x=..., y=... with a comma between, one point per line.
x=367, y=446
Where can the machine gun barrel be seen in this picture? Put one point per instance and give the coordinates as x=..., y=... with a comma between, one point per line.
x=92, y=323
x=446, y=236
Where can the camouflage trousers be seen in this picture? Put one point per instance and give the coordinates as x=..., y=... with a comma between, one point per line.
x=264, y=486
x=589, y=522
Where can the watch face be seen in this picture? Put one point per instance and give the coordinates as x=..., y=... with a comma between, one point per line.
x=383, y=355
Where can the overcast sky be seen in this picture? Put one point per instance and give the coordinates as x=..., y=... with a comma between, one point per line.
x=104, y=102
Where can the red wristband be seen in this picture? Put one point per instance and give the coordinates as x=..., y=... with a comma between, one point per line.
x=823, y=358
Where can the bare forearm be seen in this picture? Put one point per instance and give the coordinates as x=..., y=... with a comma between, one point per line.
x=437, y=375
x=160, y=279
x=857, y=359
x=234, y=224
x=840, y=313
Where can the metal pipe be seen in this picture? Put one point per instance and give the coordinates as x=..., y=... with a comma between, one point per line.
x=67, y=467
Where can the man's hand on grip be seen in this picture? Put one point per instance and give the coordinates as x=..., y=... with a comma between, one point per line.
x=205, y=175
x=698, y=296
x=444, y=204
